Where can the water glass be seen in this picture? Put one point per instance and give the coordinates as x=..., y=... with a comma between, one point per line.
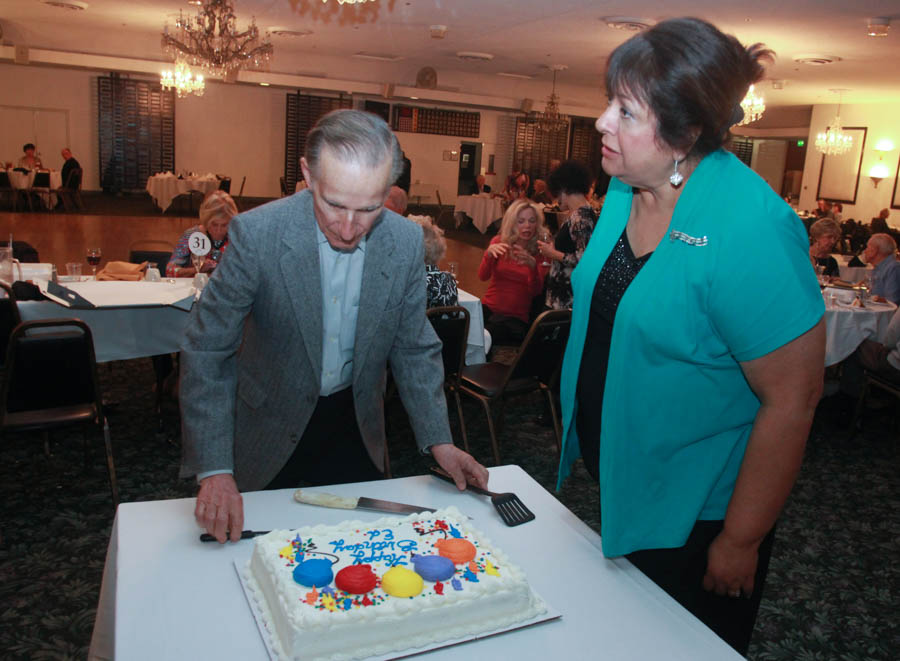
x=453, y=269
x=73, y=269
x=152, y=274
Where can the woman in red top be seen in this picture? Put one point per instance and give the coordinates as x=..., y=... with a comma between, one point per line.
x=516, y=275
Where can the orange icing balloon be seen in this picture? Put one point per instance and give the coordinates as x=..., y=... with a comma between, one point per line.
x=460, y=551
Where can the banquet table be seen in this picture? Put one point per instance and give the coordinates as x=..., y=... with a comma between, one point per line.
x=165, y=187
x=420, y=191
x=166, y=595
x=21, y=180
x=482, y=209
x=847, y=326
x=478, y=343
x=132, y=320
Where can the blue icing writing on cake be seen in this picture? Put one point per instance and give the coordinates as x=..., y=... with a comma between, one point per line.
x=422, y=592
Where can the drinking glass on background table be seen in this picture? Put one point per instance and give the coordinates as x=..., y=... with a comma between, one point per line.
x=545, y=237
x=93, y=258
x=198, y=261
x=453, y=269
x=73, y=269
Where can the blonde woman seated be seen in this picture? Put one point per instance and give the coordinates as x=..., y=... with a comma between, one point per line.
x=216, y=212
x=823, y=235
x=515, y=273
x=440, y=286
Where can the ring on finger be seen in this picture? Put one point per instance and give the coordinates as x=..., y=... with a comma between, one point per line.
x=734, y=593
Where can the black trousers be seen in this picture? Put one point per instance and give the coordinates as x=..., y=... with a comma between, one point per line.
x=331, y=450
x=680, y=573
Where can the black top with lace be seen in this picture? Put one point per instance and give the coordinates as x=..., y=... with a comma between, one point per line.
x=440, y=287
x=571, y=240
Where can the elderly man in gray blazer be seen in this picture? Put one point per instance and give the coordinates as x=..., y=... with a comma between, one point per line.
x=284, y=361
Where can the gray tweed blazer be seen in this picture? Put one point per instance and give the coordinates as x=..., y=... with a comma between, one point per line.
x=251, y=359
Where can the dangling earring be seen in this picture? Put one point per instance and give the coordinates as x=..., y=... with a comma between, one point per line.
x=676, y=177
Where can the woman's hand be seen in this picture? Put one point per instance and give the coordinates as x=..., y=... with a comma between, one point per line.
x=185, y=271
x=730, y=567
x=547, y=250
x=497, y=250
x=522, y=256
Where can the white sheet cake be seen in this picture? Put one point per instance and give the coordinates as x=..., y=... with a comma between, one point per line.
x=361, y=589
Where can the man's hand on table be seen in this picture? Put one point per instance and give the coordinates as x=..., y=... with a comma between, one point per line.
x=220, y=507
x=461, y=465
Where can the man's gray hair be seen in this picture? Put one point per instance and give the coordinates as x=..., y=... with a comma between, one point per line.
x=354, y=135
x=885, y=243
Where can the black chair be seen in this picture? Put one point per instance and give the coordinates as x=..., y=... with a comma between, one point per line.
x=535, y=367
x=50, y=382
x=40, y=186
x=225, y=184
x=159, y=252
x=240, y=195
x=10, y=191
x=70, y=193
x=9, y=319
x=284, y=190
x=873, y=380
x=451, y=323
x=23, y=251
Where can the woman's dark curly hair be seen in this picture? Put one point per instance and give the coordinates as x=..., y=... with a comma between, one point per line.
x=570, y=177
x=692, y=76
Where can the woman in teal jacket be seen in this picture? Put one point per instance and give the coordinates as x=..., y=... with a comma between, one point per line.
x=696, y=353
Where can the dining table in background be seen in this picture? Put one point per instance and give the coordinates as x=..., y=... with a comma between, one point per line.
x=166, y=595
x=483, y=209
x=419, y=192
x=852, y=274
x=479, y=341
x=22, y=180
x=846, y=325
x=165, y=187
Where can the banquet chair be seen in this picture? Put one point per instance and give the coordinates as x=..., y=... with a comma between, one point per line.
x=239, y=197
x=284, y=190
x=70, y=193
x=871, y=379
x=9, y=319
x=149, y=250
x=441, y=213
x=535, y=367
x=451, y=323
x=50, y=383
x=225, y=184
x=39, y=186
x=10, y=191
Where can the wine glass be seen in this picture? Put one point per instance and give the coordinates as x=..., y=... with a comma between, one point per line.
x=93, y=258
x=198, y=261
x=545, y=237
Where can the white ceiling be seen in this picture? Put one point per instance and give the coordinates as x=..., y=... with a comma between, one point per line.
x=525, y=36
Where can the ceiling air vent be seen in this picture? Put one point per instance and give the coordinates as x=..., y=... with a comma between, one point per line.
x=282, y=31
x=474, y=56
x=74, y=5
x=627, y=23
x=816, y=60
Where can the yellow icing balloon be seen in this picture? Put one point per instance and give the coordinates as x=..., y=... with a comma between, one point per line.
x=401, y=582
x=490, y=569
x=287, y=552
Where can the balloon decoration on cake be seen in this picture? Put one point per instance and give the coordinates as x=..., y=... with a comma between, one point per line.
x=459, y=551
x=356, y=579
x=433, y=567
x=314, y=573
x=401, y=582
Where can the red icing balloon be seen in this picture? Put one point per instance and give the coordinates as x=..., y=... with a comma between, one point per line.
x=356, y=579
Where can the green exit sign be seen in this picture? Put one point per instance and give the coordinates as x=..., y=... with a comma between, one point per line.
x=800, y=143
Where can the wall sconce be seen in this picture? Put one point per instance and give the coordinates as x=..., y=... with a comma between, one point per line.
x=880, y=171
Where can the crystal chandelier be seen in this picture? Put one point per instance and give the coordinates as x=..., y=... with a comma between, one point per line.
x=212, y=41
x=182, y=81
x=550, y=119
x=753, y=106
x=834, y=141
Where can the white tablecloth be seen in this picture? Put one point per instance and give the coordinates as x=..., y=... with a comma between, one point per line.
x=21, y=180
x=854, y=274
x=846, y=326
x=479, y=340
x=419, y=191
x=130, y=325
x=482, y=209
x=164, y=188
x=166, y=595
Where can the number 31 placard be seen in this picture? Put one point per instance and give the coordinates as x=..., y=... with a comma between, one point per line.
x=199, y=244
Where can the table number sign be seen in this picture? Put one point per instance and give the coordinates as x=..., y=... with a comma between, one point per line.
x=199, y=244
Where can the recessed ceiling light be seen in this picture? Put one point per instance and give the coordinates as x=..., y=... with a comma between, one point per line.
x=438, y=31
x=509, y=74
x=816, y=60
x=264, y=84
x=628, y=23
x=283, y=31
x=74, y=5
x=196, y=3
x=474, y=55
x=878, y=27
x=381, y=57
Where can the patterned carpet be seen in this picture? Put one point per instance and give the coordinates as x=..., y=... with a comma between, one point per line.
x=832, y=587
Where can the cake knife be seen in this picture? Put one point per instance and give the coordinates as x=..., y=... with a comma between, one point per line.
x=363, y=503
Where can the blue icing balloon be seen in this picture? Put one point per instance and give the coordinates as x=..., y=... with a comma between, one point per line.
x=314, y=573
x=455, y=533
x=433, y=567
x=456, y=584
x=470, y=576
x=347, y=604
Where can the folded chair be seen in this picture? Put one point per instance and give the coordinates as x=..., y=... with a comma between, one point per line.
x=535, y=367
x=451, y=323
x=50, y=382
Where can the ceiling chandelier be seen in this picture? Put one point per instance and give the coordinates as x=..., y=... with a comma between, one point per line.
x=212, y=41
x=182, y=80
x=753, y=105
x=834, y=141
x=551, y=120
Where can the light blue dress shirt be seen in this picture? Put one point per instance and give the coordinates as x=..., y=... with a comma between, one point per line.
x=341, y=274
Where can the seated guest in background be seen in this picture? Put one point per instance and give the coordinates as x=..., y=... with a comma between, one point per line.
x=541, y=194
x=480, y=186
x=440, y=286
x=837, y=211
x=823, y=209
x=879, y=222
x=824, y=234
x=29, y=161
x=403, y=181
x=216, y=212
x=69, y=164
x=514, y=273
x=881, y=358
x=397, y=200
x=517, y=187
x=570, y=182
x=879, y=253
